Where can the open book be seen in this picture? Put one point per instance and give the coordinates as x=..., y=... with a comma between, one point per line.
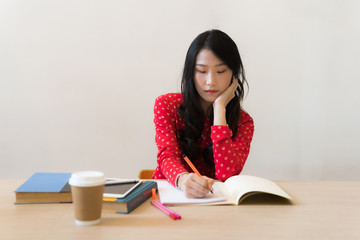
x=232, y=191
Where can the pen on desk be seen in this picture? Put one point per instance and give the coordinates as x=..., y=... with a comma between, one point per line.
x=165, y=210
x=168, y=210
x=193, y=168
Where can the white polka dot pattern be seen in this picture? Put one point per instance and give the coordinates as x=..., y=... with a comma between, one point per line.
x=229, y=154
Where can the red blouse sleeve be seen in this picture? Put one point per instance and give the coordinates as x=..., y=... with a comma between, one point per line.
x=230, y=154
x=166, y=123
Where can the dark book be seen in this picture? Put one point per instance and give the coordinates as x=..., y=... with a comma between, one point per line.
x=45, y=188
x=131, y=201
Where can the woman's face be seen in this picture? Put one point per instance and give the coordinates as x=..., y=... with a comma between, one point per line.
x=212, y=77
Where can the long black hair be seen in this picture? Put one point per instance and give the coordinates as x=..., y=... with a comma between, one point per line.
x=190, y=110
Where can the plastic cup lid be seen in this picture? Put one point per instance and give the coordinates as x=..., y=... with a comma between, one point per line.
x=87, y=178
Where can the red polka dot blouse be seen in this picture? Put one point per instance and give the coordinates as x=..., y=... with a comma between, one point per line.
x=229, y=154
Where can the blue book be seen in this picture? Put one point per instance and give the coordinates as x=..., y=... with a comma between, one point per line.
x=45, y=188
x=131, y=201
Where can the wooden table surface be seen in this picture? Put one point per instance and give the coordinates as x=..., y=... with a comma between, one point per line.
x=320, y=210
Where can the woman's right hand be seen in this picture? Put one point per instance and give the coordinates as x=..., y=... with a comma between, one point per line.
x=195, y=186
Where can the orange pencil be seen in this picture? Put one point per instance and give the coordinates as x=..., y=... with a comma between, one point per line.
x=193, y=167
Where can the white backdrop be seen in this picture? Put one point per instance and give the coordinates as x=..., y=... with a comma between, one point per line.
x=78, y=80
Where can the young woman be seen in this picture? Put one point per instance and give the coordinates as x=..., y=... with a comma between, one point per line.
x=205, y=122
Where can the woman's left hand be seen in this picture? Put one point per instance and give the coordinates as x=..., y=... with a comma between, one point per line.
x=227, y=95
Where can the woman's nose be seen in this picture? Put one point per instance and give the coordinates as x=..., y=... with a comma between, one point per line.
x=210, y=79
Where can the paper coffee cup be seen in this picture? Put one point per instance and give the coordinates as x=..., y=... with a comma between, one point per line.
x=87, y=189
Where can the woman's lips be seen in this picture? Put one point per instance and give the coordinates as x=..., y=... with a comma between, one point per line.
x=210, y=91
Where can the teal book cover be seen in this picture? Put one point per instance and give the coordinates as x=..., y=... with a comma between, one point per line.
x=131, y=201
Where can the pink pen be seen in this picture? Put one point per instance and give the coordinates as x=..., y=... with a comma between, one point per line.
x=165, y=209
x=168, y=210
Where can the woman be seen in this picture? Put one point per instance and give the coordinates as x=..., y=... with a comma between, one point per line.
x=205, y=122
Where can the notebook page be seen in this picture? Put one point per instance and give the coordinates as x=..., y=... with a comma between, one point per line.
x=168, y=194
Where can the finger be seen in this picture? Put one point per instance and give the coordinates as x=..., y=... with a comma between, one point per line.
x=234, y=83
x=194, y=181
x=210, y=183
x=200, y=185
x=194, y=193
x=193, y=190
x=204, y=183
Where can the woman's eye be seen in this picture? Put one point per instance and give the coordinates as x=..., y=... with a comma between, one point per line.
x=221, y=71
x=200, y=71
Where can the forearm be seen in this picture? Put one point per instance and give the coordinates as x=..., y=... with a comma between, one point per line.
x=219, y=105
x=229, y=154
x=166, y=128
x=219, y=115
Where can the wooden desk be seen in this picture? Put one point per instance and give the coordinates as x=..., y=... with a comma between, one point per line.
x=320, y=210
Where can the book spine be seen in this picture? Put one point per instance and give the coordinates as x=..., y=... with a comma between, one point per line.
x=141, y=197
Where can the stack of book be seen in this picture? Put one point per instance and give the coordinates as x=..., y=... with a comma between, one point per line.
x=54, y=188
x=130, y=201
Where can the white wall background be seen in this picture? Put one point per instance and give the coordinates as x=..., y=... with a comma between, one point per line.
x=78, y=79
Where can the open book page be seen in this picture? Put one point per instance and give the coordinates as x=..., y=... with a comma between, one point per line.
x=222, y=189
x=241, y=185
x=168, y=194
